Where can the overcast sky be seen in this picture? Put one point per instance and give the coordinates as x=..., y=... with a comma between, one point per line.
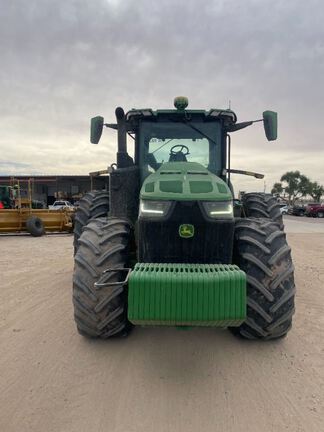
x=65, y=61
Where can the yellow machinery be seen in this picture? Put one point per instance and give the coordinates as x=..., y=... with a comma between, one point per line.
x=22, y=217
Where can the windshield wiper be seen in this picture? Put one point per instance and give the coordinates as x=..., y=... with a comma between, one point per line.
x=199, y=131
x=162, y=145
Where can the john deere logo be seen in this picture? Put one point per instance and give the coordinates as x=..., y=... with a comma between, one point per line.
x=186, y=230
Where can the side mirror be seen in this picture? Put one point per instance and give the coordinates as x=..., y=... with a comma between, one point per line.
x=96, y=127
x=270, y=124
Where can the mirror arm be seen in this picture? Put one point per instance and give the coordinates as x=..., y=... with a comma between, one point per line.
x=114, y=126
x=242, y=125
x=111, y=125
x=248, y=173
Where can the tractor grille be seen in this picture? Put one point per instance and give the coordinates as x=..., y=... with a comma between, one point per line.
x=160, y=242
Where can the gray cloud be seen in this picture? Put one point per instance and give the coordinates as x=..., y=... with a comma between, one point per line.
x=4, y=163
x=63, y=62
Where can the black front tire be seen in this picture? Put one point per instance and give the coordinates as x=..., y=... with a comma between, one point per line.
x=262, y=252
x=93, y=204
x=262, y=205
x=101, y=312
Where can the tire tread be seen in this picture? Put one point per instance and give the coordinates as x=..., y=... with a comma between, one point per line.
x=262, y=205
x=93, y=204
x=101, y=311
x=270, y=279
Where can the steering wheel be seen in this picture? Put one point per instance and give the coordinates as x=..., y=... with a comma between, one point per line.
x=182, y=147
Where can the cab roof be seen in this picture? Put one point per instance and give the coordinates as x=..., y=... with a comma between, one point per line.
x=136, y=115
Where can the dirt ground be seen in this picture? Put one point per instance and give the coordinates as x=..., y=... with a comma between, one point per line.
x=52, y=379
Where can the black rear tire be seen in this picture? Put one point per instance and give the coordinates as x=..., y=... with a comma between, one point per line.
x=101, y=312
x=93, y=204
x=262, y=205
x=262, y=252
x=35, y=226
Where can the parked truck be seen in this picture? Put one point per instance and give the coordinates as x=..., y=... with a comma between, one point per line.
x=315, y=210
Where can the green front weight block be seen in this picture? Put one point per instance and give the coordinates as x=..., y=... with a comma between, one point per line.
x=187, y=295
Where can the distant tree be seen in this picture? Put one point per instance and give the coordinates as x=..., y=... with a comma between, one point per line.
x=316, y=191
x=296, y=185
x=277, y=189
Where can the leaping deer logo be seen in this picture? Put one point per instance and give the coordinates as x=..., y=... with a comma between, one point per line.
x=186, y=230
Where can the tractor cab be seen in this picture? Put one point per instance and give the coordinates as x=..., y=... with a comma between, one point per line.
x=179, y=135
x=179, y=141
x=176, y=136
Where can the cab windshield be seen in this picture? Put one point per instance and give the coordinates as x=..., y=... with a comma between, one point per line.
x=180, y=142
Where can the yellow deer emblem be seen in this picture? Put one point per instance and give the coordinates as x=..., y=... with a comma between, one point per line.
x=186, y=230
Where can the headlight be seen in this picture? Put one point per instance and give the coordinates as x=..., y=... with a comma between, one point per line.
x=219, y=209
x=154, y=209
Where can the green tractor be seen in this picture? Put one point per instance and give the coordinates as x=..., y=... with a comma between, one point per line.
x=8, y=195
x=167, y=245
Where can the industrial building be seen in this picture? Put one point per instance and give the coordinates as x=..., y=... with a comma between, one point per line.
x=48, y=188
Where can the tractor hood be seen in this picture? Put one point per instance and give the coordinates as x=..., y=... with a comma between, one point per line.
x=184, y=181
